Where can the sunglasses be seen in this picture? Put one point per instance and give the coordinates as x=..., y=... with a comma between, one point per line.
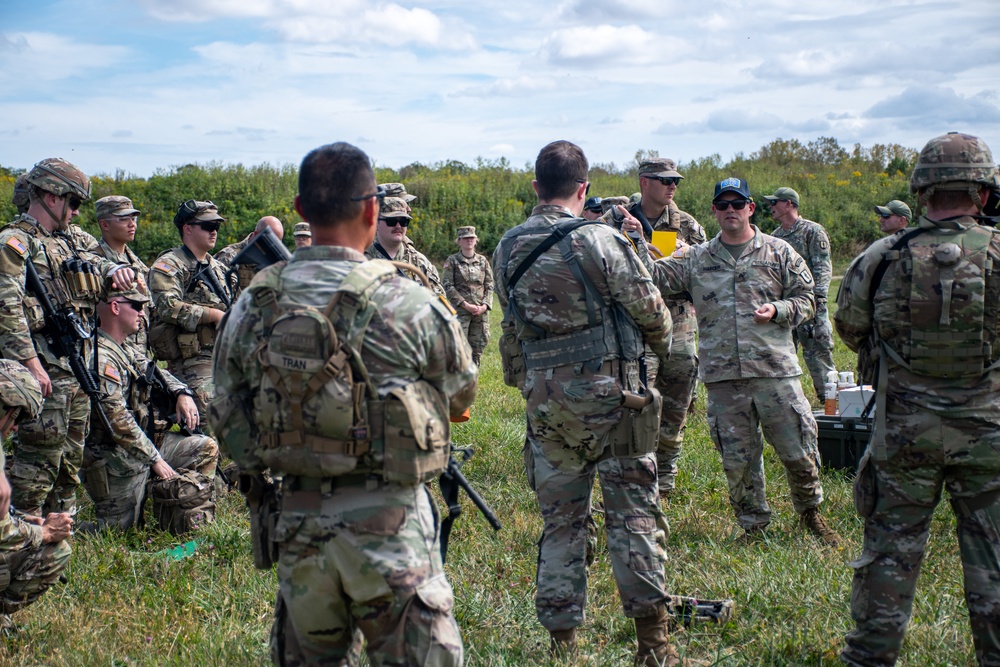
x=737, y=204
x=587, y=191
x=208, y=226
x=392, y=222
x=379, y=194
x=131, y=304
x=75, y=202
x=665, y=180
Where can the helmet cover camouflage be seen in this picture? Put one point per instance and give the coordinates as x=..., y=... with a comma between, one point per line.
x=60, y=177
x=954, y=158
x=20, y=197
x=19, y=388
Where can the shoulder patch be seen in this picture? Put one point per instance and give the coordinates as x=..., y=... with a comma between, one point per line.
x=163, y=267
x=17, y=245
x=679, y=253
x=443, y=308
x=111, y=373
x=447, y=304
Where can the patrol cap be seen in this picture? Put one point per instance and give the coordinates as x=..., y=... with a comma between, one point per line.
x=398, y=190
x=19, y=388
x=114, y=205
x=130, y=293
x=731, y=184
x=783, y=194
x=302, y=229
x=608, y=202
x=466, y=232
x=593, y=204
x=895, y=207
x=394, y=207
x=197, y=211
x=660, y=166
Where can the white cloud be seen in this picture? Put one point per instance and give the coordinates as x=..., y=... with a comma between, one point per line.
x=195, y=11
x=614, y=10
x=28, y=57
x=602, y=46
x=522, y=86
x=500, y=149
x=932, y=106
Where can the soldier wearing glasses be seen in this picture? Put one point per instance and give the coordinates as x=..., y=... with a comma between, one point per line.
x=190, y=297
x=390, y=242
x=894, y=216
x=750, y=291
x=49, y=451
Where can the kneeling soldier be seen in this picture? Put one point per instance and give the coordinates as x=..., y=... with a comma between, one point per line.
x=117, y=465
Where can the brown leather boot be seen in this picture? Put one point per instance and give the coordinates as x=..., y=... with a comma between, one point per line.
x=562, y=643
x=814, y=523
x=655, y=649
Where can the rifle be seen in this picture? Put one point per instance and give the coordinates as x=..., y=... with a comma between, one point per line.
x=64, y=332
x=207, y=276
x=265, y=249
x=451, y=481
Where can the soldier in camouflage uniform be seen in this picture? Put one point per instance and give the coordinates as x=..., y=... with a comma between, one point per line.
x=930, y=301
x=49, y=449
x=894, y=216
x=303, y=235
x=19, y=199
x=117, y=464
x=749, y=291
x=356, y=532
x=247, y=271
x=811, y=241
x=187, y=308
x=33, y=552
x=577, y=317
x=677, y=377
x=118, y=221
x=391, y=243
x=468, y=283
x=398, y=190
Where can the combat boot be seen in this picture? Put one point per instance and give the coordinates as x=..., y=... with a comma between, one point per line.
x=814, y=523
x=655, y=649
x=562, y=643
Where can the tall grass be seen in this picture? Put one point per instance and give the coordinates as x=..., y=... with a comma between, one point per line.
x=126, y=604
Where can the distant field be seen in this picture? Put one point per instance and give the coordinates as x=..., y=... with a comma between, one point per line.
x=126, y=605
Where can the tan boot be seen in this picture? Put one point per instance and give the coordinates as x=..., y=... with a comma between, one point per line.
x=562, y=643
x=655, y=649
x=814, y=523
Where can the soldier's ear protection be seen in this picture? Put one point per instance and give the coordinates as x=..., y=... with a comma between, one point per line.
x=992, y=206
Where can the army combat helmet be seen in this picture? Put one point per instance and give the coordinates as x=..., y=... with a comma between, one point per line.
x=954, y=161
x=20, y=395
x=61, y=178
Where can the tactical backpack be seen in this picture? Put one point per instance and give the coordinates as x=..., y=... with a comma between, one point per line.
x=946, y=300
x=184, y=502
x=317, y=410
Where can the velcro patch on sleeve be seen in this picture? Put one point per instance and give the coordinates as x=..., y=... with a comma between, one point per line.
x=17, y=245
x=111, y=373
x=163, y=267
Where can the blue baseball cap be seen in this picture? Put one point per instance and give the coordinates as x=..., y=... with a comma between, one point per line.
x=737, y=185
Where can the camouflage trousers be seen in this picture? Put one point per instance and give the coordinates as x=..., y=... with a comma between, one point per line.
x=477, y=330
x=356, y=558
x=636, y=532
x=897, y=497
x=676, y=380
x=116, y=481
x=196, y=373
x=31, y=571
x=816, y=339
x=48, y=450
x=737, y=410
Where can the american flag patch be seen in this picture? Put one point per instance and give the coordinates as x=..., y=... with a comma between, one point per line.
x=165, y=268
x=111, y=373
x=16, y=244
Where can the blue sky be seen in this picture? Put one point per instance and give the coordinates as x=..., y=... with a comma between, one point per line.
x=145, y=84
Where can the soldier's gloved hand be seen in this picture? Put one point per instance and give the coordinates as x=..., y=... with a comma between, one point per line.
x=187, y=411
x=163, y=470
x=122, y=278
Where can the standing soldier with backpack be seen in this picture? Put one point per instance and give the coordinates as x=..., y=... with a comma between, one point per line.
x=929, y=297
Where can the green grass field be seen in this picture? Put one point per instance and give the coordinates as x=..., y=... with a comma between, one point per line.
x=126, y=604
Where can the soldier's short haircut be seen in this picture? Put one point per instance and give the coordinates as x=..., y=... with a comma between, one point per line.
x=952, y=199
x=559, y=169
x=330, y=176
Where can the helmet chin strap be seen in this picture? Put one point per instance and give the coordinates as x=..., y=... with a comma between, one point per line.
x=61, y=223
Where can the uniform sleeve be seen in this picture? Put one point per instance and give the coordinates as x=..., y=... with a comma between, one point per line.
x=126, y=431
x=855, y=313
x=15, y=337
x=432, y=275
x=822, y=266
x=166, y=286
x=487, y=284
x=448, y=282
x=16, y=534
x=695, y=233
x=671, y=275
x=174, y=386
x=797, y=304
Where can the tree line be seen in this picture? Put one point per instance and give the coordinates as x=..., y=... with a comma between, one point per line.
x=838, y=187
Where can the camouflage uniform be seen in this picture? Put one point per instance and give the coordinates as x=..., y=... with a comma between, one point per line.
x=138, y=343
x=245, y=271
x=676, y=377
x=117, y=465
x=354, y=550
x=396, y=207
x=470, y=279
x=49, y=449
x=178, y=303
x=933, y=430
x=751, y=370
x=810, y=240
x=28, y=567
x=574, y=411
